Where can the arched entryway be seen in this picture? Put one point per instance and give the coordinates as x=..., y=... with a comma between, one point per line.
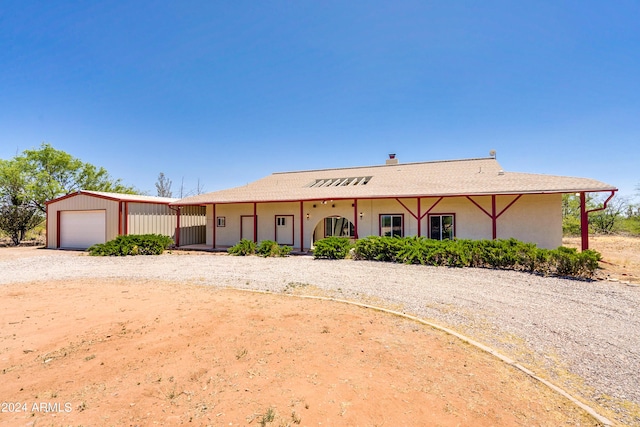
x=333, y=226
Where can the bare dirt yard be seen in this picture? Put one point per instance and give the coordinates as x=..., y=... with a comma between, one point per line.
x=620, y=256
x=146, y=352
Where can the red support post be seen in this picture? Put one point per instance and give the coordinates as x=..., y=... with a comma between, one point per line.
x=301, y=227
x=214, y=224
x=494, y=218
x=419, y=218
x=178, y=228
x=255, y=222
x=355, y=218
x=584, y=221
x=119, y=218
x=126, y=218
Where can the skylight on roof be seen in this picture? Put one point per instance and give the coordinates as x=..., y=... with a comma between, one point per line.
x=339, y=182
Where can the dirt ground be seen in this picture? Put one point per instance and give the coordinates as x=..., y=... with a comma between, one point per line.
x=620, y=256
x=100, y=352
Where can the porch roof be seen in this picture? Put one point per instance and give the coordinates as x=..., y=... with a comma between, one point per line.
x=483, y=176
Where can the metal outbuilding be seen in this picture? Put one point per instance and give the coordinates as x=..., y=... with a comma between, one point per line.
x=79, y=220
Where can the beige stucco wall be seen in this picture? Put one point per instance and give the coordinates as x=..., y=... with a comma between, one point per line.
x=535, y=218
x=532, y=218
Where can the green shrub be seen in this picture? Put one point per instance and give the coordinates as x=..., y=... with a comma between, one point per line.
x=332, y=248
x=569, y=262
x=506, y=254
x=243, y=247
x=269, y=248
x=140, y=244
x=377, y=248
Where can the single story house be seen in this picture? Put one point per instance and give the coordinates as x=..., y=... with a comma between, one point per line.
x=79, y=220
x=470, y=199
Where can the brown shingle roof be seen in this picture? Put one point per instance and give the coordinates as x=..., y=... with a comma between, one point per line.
x=443, y=178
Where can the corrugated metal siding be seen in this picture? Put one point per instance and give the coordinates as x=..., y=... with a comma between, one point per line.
x=147, y=218
x=79, y=203
x=193, y=225
x=151, y=218
x=137, y=218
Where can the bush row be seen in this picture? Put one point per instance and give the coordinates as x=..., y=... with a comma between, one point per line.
x=266, y=248
x=509, y=254
x=142, y=244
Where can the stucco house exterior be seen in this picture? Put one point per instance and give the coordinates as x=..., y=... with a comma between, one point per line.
x=469, y=198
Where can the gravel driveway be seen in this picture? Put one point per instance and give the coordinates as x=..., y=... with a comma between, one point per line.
x=562, y=329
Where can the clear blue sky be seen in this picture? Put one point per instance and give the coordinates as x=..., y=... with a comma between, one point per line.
x=230, y=91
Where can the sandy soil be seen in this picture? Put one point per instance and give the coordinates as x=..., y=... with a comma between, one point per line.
x=101, y=352
x=620, y=256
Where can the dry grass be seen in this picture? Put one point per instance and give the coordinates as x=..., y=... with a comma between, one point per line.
x=620, y=256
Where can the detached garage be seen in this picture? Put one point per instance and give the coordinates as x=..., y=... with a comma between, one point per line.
x=79, y=220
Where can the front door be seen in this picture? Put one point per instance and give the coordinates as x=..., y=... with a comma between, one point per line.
x=284, y=229
x=246, y=227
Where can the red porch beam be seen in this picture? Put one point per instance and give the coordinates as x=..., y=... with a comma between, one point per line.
x=494, y=215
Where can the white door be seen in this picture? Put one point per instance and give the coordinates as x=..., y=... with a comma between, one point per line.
x=246, y=226
x=81, y=229
x=284, y=230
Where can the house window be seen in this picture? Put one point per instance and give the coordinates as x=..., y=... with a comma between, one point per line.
x=281, y=221
x=337, y=226
x=221, y=221
x=391, y=225
x=441, y=227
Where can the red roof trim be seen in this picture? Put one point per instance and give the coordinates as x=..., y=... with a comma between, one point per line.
x=411, y=196
x=102, y=196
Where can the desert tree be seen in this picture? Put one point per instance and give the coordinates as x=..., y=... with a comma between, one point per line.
x=36, y=176
x=163, y=186
x=17, y=213
x=605, y=221
x=53, y=173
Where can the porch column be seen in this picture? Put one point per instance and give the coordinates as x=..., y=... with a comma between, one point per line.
x=301, y=227
x=120, y=218
x=419, y=218
x=126, y=218
x=178, y=228
x=255, y=222
x=494, y=218
x=584, y=221
x=214, y=224
x=355, y=218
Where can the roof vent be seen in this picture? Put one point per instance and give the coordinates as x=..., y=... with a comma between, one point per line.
x=392, y=159
x=500, y=172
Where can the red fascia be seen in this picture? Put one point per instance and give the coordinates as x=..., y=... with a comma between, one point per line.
x=409, y=196
x=101, y=196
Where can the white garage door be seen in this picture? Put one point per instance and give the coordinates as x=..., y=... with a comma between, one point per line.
x=81, y=229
